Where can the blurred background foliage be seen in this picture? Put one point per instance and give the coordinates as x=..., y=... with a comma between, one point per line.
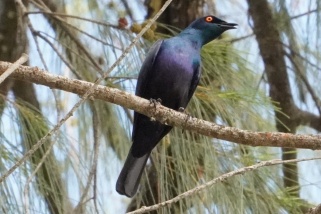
x=75, y=170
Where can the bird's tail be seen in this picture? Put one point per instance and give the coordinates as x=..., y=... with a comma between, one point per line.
x=129, y=177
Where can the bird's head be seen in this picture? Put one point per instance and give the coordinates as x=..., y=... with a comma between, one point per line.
x=209, y=28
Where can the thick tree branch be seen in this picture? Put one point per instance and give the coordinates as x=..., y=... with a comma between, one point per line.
x=163, y=114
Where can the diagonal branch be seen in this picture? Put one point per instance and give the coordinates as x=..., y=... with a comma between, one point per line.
x=221, y=178
x=14, y=66
x=163, y=114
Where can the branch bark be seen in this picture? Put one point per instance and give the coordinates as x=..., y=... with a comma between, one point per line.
x=315, y=210
x=163, y=114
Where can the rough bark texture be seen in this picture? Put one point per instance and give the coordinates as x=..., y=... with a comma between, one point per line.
x=13, y=42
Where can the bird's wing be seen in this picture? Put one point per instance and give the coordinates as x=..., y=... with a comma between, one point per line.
x=195, y=80
x=146, y=68
x=146, y=134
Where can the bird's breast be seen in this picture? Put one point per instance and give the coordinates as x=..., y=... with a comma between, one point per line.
x=173, y=74
x=176, y=62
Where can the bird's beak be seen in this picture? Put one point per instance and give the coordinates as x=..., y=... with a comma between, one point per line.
x=227, y=26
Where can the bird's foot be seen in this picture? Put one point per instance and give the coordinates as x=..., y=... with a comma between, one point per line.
x=155, y=102
x=181, y=109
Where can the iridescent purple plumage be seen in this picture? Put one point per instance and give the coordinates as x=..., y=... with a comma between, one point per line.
x=170, y=72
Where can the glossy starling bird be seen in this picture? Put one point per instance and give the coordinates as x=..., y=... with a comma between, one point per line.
x=170, y=72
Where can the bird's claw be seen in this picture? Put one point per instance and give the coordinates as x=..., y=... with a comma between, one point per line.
x=181, y=109
x=155, y=102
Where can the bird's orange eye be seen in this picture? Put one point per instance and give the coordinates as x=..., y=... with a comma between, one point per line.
x=209, y=19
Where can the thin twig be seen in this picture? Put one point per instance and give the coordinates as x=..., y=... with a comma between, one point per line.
x=69, y=65
x=93, y=169
x=300, y=56
x=128, y=10
x=93, y=172
x=26, y=188
x=90, y=36
x=221, y=178
x=73, y=16
x=304, y=14
x=299, y=72
x=36, y=33
x=71, y=35
x=241, y=38
x=13, y=67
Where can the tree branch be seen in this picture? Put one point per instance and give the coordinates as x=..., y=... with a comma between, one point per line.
x=315, y=210
x=221, y=178
x=163, y=114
